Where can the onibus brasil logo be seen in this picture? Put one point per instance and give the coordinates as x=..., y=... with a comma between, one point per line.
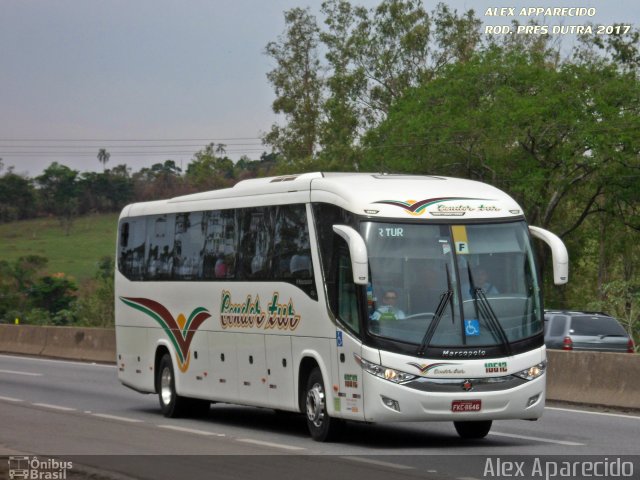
x=179, y=330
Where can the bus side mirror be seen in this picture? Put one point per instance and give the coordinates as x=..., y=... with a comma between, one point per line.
x=559, y=254
x=357, y=251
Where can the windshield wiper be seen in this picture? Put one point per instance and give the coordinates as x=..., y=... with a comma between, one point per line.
x=484, y=307
x=445, y=298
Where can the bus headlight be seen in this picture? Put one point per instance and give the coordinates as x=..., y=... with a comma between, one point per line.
x=395, y=376
x=532, y=373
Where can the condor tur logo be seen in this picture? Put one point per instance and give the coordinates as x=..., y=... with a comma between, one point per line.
x=179, y=330
x=417, y=207
x=437, y=368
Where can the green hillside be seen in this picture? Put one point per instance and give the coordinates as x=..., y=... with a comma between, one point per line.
x=91, y=238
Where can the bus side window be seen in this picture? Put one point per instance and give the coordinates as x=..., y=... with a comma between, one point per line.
x=132, y=248
x=124, y=234
x=347, y=299
x=255, y=243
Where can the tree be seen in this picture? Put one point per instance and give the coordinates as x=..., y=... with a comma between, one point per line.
x=561, y=139
x=96, y=307
x=17, y=197
x=59, y=192
x=298, y=84
x=103, y=157
x=372, y=58
x=376, y=55
x=207, y=171
x=620, y=48
x=221, y=149
x=342, y=112
x=105, y=192
x=551, y=137
x=16, y=280
x=162, y=180
x=53, y=293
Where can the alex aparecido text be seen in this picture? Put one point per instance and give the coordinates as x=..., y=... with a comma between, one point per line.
x=560, y=467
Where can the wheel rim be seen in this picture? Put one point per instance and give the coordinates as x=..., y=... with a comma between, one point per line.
x=315, y=405
x=166, y=392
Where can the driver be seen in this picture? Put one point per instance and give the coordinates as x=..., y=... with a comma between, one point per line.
x=388, y=309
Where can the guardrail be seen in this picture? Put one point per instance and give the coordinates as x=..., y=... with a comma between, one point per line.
x=595, y=378
x=73, y=343
x=605, y=379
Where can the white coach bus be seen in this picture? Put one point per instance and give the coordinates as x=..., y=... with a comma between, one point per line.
x=362, y=297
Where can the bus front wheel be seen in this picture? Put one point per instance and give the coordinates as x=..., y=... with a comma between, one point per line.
x=471, y=430
x=171, y=403
x=321, y=426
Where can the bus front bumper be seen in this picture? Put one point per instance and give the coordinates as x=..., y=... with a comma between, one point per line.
x=386, y=401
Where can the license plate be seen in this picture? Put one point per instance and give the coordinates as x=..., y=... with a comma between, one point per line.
x=466, y=405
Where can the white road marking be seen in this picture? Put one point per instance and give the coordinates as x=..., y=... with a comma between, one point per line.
x=51, y=360
x=606, y=414
x=191, y=430
x=269, y=444
x=27, y=374
x=54, y=407
x=115, y=417
x=537, y=439
x=380, y=463
x=11, y=399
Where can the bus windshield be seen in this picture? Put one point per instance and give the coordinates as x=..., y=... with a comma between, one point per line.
x=445, y=285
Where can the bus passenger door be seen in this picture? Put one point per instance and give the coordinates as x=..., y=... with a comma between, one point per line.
x=349, y=401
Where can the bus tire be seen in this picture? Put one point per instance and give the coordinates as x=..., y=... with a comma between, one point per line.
x=321, y=426
x=171, y=403
x=473, y=430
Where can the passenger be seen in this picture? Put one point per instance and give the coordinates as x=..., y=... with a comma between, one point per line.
x=300, y=266
x=482, y=281
x=220, y=269
x=388, y=309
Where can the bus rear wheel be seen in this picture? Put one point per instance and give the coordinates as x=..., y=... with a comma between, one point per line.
x=471, y=430
x=171, y=403
x=321, y=426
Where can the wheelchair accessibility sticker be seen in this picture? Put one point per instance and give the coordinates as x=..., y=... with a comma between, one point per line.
x=472, y=328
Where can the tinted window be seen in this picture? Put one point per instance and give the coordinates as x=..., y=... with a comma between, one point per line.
x=256, y=242
x=188, y=251
x=558, y=326
x=262, y=243
x=160, y=243
x=325, y=217
x=132, y=248
x=219, y=258
x=347, y=299
x=590, y=325
x=290, y=257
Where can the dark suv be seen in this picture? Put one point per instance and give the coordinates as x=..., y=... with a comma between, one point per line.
x=585, y=331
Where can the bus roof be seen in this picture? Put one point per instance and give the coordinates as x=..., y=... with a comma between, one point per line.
x=371, y=194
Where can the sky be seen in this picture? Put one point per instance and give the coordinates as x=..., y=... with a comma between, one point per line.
x=151, y=80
